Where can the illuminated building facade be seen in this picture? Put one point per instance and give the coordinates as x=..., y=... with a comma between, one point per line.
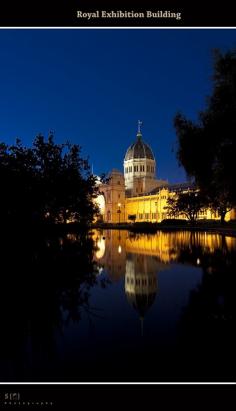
x=138, y=193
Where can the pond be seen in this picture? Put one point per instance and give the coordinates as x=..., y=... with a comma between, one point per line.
x=113, y=306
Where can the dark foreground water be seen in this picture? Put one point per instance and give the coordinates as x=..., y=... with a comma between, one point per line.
x=114, y=306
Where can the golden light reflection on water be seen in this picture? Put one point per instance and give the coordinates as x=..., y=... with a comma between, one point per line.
x=138, y=258
x=113, y=245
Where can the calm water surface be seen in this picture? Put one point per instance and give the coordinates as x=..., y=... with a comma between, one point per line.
x=119, y=307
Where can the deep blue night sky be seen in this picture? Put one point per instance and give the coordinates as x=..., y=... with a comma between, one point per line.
x=91, y=87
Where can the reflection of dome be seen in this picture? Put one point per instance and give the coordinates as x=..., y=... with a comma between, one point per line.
x=139, y=149
x=140, y=285
x=141, y=302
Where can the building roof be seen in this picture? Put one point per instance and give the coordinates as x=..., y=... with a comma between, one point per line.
x=139, y=149
x=174, y=187
x=178, y=187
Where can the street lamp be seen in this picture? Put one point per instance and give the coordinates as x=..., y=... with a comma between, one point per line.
x=119, y=211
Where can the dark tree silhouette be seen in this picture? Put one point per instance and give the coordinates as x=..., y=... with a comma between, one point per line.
x=188, y=204
x=207, y=148
x=47, y=181
x=132, y=217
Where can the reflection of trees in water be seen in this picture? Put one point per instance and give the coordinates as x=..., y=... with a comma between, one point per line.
x=206, y=329
x=45, y=284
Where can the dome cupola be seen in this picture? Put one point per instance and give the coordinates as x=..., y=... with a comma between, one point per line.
x=139, y=149
x=139, y=166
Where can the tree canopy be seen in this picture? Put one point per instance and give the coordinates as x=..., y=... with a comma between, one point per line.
x=187, y=204
x=47, y=181
x=207, y=148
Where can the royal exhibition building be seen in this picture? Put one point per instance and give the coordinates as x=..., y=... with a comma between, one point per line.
x=138, y=193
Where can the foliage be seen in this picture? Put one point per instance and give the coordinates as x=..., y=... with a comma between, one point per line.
x=188, y=204
x=132, y=217
x=46, y=181
x=207, y=148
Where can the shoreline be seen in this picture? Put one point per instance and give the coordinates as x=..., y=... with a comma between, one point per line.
x=225, y=230
x=228, y=229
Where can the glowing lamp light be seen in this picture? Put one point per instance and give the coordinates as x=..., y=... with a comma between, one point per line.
x=198, y=261
x=119, y=249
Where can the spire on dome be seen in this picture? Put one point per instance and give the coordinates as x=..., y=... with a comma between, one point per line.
x=139, y=134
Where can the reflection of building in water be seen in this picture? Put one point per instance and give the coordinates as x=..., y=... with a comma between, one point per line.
x=110, y=252
x=141, y=282
x=141, y=257
x=113, y=245
x=167, y=245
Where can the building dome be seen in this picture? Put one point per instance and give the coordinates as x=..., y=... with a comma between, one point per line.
x=139, y=149
x=140, y=282
x=139, y=167
x=141, y=302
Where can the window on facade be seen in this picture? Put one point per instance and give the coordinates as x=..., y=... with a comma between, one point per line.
x=140, y=216
x=118, y=182
x=146, y=215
